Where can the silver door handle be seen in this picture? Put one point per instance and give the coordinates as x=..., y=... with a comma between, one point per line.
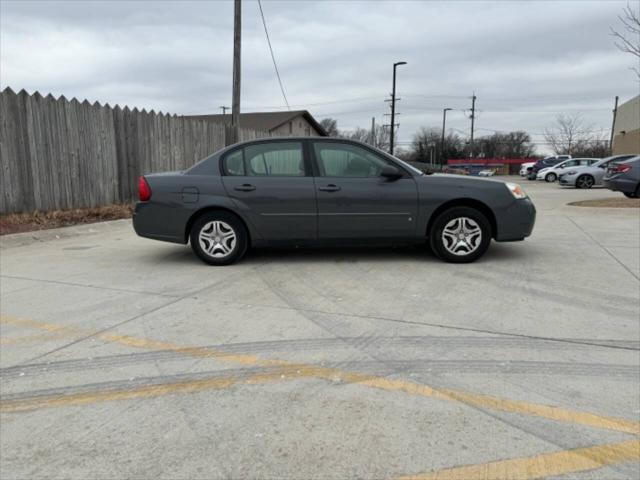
x=244, y=188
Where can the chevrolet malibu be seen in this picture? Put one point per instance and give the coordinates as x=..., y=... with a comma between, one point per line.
x=325, y=191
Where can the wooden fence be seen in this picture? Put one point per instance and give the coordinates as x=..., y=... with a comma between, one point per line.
x=59, y=153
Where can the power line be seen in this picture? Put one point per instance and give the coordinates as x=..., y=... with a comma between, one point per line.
x=273, y=56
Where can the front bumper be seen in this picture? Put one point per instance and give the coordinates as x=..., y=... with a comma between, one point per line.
x=568, y=181
x=517, y=221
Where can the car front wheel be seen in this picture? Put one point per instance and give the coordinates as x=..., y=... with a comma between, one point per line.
x=460, y=235
x=551, y=177
x=219, y=238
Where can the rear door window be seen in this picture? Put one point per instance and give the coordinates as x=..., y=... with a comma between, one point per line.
x=275, y=159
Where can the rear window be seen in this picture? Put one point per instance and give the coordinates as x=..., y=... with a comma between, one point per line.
x=277, y=159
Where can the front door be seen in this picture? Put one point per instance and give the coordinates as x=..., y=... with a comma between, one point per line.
x=354, y=201
x=273, y=187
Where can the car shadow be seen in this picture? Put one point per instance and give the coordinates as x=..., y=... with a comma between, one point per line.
x=350, y=254
x=182, y=255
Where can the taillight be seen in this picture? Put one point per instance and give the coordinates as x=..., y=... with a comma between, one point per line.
x=623, y=168
x=144, y=190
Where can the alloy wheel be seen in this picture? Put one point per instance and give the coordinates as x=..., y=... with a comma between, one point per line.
x=461, y=236
x=217, y=239
x=585, y=182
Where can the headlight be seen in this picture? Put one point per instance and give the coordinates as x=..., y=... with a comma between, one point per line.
x=516, y=190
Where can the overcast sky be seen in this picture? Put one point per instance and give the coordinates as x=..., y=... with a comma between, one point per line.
x=526, y=60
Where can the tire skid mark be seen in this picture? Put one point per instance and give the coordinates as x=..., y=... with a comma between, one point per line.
x=334, y=375
x=415, y=365
x=564, y=300
x=125, y=384
x=310, y=344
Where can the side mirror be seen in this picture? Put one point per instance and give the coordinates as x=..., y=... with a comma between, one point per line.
x=390, y=172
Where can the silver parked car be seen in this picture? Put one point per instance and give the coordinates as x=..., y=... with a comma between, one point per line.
x=588, y=176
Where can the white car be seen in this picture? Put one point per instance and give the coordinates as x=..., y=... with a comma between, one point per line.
x=525, y=168
x=486, y=173
x=551, y=174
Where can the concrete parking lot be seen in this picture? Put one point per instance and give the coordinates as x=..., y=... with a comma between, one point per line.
x=127, y=358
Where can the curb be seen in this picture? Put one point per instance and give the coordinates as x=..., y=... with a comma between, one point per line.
x=27, y=238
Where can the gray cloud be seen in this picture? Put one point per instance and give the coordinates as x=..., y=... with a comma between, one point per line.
x=526, y=61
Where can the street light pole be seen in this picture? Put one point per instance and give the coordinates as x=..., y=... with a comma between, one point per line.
x=444, y=121
x=393, y=106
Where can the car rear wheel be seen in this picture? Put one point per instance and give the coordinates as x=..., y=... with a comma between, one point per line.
x=635, y=194
x=584, y=181
x=551, y=177
x=460, y=235
x=219, y=238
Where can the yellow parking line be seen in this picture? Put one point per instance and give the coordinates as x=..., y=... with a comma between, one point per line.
x=43, y=337
x=540, y=466
x=334, y=374
x=146, y=391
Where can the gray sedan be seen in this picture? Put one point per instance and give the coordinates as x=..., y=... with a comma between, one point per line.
x=325, y=191
x=589, y=176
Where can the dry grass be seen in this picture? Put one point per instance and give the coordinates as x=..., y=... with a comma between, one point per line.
x=27, y=222
x=616, y=202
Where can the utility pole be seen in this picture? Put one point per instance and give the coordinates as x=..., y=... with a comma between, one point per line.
x=444, y=121
x=373, y=131
x=235, y=104
x=473, y=118
x=393, y=106
x=224, y=109
x=613, y=125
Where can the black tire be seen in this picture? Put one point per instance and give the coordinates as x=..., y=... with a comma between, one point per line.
x=585, y=181
x=631, y=195
x=551, y=177
x=218, y=256
x=437, y=240
x=532, y=176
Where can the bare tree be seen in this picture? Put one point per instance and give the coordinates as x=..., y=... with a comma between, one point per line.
x=567, y=133
x=380, y=136
x=359, y=134
x=506, y=145
x=628, y=38
x=330, y=125
x=424, y=144
x=596, y=148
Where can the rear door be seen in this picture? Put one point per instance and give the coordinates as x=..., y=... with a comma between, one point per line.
x=272, y=185
x=354, y=201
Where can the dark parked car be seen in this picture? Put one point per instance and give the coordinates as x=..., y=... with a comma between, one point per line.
x=545, y=163
x=318, y=191
x=624, y=177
